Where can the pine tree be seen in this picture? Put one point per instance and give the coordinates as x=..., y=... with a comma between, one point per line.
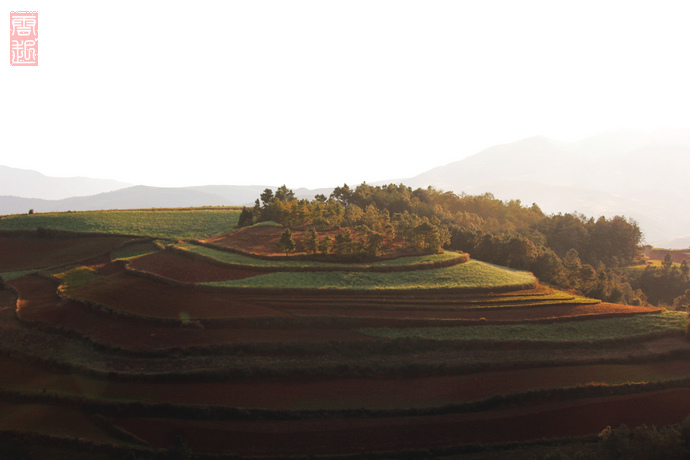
x=246, y=217
x=286, y=243
x=311, y=241
x=326, y=245
x=343, y=242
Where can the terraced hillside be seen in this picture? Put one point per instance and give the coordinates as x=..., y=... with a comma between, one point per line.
x=123, y=345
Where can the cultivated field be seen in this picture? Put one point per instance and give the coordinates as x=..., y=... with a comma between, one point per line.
x=121, y=343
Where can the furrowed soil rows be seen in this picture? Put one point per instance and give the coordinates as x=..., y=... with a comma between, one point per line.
x=139, y=296
x=31, y=252
x=395, y=434
x=336, y=394
x=186, y=270
x=54, y=421
x=515, y=314
x=260, y=239
x=403, y=353
x=38, y=303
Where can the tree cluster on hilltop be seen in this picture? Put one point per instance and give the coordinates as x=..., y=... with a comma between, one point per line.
x=368, y=228
x=570, y=251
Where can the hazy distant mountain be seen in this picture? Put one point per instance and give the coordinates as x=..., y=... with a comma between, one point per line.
x=141, y=196
x=33, y=184
x=245, y=195
x=640, y=175
x=129, y=198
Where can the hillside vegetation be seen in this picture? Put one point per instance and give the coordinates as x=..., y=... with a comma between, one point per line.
x=201, y=340
x=570, y=251
x=159, y=223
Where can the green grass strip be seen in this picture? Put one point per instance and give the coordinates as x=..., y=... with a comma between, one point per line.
x=12, y=275
x=571, y=331
x=133, y=251
x=473, y=274
x=174, y=223
x=76, y=277
x=231, y=258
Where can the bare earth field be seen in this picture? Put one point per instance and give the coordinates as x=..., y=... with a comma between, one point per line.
x=391, y=434
x=188, y=270
x=137, y=348
x=29, y=251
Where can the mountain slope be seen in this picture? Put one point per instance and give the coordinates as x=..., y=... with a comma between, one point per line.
x=643, y=176
x=32, y=184
x=142, y=196
x=139, y=196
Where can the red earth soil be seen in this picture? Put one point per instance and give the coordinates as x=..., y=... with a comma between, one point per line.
x=39, y=303
x=515, y=314
x=186, y=270
x=676, y=255
x=144, y=297
x=262, y=239
x=335, y=394
x=6, y=298
x=31, y=252
x=391, y=434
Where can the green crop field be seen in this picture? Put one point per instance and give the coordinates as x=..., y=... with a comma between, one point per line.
x=470, y=275
x=248, y=261
x=573, y=331
x=169, y=223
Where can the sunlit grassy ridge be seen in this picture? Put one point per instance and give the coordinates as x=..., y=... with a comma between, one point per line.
x=473, y=274
x=169, y=223
x=248, y=261
x=572, y=331
x=77, y=276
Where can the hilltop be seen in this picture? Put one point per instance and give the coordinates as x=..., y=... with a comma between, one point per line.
x=133, y=337
x=641, y=175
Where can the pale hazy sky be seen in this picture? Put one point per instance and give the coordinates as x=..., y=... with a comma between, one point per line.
x=318, y=93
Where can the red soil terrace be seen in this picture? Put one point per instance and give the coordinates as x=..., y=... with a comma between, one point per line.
x=31, y=252
x=261, y=240
x=394, y=434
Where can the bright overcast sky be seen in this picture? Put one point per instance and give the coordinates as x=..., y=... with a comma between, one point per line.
x=318, y=93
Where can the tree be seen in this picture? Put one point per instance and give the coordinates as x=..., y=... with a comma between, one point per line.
x=326, y=245
x=284, y=194
x=246, y=217
x=572, y=265
x=520, y=252
x=681, y=302
x=375, y=245
x=286, y=243
x=342, y=194
x=684, y=268
x=334, y=213
x=353, y=215
x=267, y=197
x=343, y=242
x=667, y=262
x=311, y=241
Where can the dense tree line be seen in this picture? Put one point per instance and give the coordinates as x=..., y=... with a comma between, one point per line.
x=668, y=284
x=368, y=228
x=570, y=251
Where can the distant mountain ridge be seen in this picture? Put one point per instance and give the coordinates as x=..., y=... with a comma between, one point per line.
x=32, y=184
x=641, y=175
x=142, y=196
